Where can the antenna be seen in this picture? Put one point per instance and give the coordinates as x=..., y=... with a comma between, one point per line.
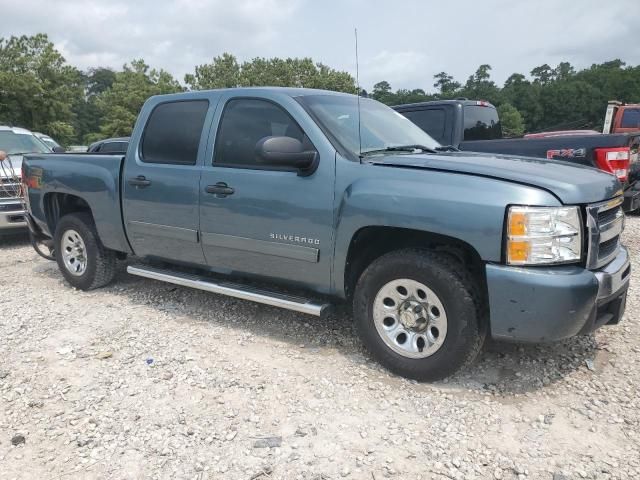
x=358, y=93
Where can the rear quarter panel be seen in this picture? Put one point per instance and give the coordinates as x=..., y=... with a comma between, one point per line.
x=94, y=178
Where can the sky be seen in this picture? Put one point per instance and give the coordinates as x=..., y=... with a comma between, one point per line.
x=404, y=42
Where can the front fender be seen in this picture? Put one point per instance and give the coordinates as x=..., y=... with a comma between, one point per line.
x=466, y=207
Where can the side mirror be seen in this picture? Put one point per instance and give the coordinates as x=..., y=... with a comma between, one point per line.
x=57, y=149
x=287, y=152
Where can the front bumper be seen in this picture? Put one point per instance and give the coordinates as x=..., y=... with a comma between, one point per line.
x=12, y=215
x=547, y=304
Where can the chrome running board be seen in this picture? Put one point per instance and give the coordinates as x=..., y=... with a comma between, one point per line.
x=245, y=292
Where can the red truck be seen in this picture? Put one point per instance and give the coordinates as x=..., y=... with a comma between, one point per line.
x=622, y=117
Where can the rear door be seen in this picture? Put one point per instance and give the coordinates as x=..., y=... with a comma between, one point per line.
x=260, y=220
x=161, y=181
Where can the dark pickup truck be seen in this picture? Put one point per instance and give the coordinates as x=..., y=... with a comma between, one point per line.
x=243, y=192
x=474, y=126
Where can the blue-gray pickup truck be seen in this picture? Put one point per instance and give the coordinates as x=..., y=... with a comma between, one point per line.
x=256, y=193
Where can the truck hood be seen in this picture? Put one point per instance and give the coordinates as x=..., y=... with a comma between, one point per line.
x=570, y=183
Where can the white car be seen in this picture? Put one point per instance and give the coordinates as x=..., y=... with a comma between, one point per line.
x=14, y=142
x=51, y=143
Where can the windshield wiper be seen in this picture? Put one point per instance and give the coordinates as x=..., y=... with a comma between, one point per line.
x=401, y=148
x=20, y=153
x=447, y=148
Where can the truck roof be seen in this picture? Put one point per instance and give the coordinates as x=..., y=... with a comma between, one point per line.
x=17, y=130
x=456, y=101
x=290, y=91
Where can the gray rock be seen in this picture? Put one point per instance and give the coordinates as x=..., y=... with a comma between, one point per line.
x=268, y=442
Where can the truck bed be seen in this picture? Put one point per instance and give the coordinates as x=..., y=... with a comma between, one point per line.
x=56, y=180
x=574, y=148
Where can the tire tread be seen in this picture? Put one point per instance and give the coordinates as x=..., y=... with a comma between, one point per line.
x=105, y=259
x=451, y=271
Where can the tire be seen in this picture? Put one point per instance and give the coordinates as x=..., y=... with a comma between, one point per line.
x=451, y=328
x=84, y=262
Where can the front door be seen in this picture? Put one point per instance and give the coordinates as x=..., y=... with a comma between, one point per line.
x=265, y=221
x=162, y=181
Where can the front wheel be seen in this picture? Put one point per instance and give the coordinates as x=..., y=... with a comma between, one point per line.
x=418, y=313
x=84, y=262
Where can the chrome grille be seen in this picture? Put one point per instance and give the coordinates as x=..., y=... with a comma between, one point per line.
x=9, y=190
x=10, y=187
x=605, y=222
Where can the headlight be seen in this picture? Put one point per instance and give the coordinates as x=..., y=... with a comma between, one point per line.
x=543, y=235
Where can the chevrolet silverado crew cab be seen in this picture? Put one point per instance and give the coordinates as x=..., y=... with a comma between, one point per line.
x=259, y=192
x=473, y=125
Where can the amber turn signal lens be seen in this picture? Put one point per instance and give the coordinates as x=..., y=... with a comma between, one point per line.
x=517, y=224
x=518, y=251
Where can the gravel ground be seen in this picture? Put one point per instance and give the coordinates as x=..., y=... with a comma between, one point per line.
x=143, y=379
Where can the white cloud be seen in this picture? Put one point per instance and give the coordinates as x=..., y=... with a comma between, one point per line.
x=404, y=42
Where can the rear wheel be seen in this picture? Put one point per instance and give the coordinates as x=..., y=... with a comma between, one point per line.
x=84, y=262
x=419, y=314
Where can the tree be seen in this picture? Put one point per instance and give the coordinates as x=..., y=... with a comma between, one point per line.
x=222, y=72
x=121, y=103
x=564, y=71
x=446, y=84
x=37, y=87
x=480, y=86
x=380, y=90
x=225, y=71
x=542, y=74
x=99, y=79
x=511, y=120
x=524, y=96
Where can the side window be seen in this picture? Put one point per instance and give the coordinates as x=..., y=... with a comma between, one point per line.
x=245, y=121
x=173, y=131
x=432, y=121
x=117, y=147
x=631, y=118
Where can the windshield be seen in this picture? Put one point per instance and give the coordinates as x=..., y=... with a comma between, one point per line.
x=13, y=143
x=50, y=142
x=380, y=126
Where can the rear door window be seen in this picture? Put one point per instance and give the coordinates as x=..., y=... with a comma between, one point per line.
x=481, y=123
x=631, y=118
x=432, y=121
x=173, y=131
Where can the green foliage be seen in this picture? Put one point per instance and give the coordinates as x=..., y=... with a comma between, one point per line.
x=554, y=98
x=447, y=86
x=511, y=119
x=40, y=91
x=37, y=87
x=120, y=104
x=225, y=71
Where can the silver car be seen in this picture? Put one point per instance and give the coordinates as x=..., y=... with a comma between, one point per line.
x=14, y=142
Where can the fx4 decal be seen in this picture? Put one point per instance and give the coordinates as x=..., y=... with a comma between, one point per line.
x=567, y=153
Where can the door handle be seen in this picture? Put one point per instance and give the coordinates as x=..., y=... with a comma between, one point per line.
x=220, y=189
x=139, y=181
